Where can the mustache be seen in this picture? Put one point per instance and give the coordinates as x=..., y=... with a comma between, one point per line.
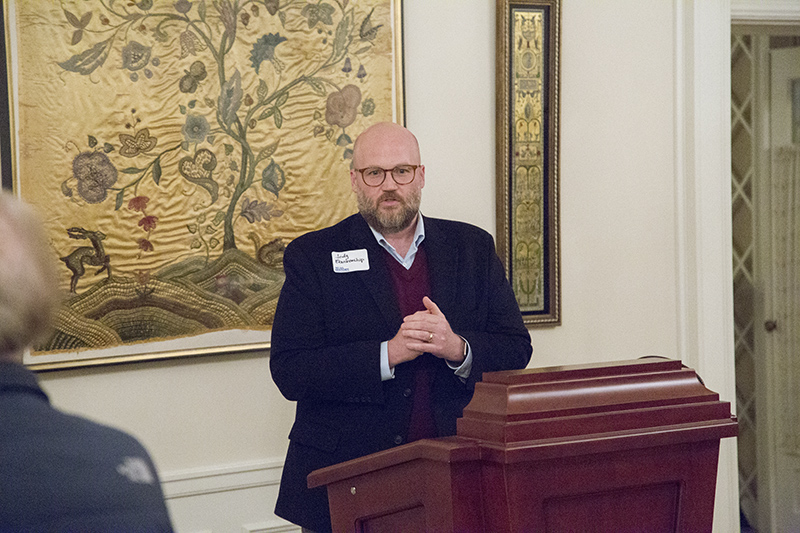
x=389, y=195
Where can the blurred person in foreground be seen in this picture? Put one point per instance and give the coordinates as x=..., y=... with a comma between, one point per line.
x=385, y=322
x=57, y=472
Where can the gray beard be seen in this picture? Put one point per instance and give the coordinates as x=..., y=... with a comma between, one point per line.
x=389, y=223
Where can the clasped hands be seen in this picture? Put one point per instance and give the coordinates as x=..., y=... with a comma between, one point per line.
x=425, y=331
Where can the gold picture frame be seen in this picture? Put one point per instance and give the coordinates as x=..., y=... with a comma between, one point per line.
x=96, y=40
x=527, y=103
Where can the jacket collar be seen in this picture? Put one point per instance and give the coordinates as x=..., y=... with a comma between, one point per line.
x=16, y=378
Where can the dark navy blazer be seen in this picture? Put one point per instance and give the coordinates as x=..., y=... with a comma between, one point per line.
x=64, y=473
x=326, y=347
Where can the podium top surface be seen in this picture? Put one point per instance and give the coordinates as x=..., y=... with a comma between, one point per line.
x=568, y=401
x=583, y=371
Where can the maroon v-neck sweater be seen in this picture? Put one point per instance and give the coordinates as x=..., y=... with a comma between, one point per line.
x=409, y=288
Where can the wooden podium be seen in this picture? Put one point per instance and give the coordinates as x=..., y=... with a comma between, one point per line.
x=624, y=447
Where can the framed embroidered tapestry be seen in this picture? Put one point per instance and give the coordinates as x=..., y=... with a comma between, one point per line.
x=528, y=41
x=173, y=149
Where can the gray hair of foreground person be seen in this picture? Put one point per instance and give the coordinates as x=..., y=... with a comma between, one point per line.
x=28, y=285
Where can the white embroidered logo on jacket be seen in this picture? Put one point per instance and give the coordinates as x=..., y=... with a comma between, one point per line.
x=136, y=470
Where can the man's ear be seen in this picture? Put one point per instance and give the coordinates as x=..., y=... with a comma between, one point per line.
x=421, y=171
x=353, y=179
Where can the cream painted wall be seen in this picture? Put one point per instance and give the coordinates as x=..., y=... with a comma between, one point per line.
x=618, y=230
x=617, y=172
x=189, y=413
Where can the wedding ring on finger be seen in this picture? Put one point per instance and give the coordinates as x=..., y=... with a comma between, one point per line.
x=430, y=337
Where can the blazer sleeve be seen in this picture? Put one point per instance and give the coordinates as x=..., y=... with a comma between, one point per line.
x=314, y=354
x=500, y=341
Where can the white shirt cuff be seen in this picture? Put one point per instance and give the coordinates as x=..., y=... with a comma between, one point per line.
x=465, y=367
x=386, y=372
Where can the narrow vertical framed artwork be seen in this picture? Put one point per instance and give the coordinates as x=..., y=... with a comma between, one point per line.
x=527, y=102
x=796, y=111
x=173, y=149
x=5, y=115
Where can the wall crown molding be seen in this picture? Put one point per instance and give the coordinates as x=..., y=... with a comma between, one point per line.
x=765, y=11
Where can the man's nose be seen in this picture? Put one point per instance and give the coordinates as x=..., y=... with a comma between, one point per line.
x=388, y=182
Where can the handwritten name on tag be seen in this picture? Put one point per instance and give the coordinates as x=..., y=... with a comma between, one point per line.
x=350, y=261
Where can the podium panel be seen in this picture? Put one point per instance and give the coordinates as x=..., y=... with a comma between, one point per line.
x=653, y=490
x=428, y=485
x=621, y=511
x=625, y=447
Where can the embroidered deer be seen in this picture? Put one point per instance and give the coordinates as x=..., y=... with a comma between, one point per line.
x=93, y=255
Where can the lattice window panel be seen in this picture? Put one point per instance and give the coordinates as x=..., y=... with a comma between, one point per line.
x=742, y=178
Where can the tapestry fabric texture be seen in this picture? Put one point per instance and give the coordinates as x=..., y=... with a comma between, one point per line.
x=173, y=148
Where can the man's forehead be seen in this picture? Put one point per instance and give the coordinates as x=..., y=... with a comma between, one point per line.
x=387, y=142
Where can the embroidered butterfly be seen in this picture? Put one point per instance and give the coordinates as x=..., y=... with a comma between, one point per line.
x=193, y=76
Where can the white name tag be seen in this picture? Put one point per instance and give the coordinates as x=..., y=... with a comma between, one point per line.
x=350, y=261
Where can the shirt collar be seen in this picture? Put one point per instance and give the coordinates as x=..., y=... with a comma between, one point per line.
x=419, y=236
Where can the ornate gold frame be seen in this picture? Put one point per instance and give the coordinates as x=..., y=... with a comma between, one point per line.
x=527, y=101
x=6, y=118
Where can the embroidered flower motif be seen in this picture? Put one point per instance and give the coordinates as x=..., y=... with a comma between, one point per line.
x=135, y=56
x=138, y=203
x=316, y=13
x=196, y=128
x=182, y=6
x=342, y=106
x=145, y=245
x=141, y=143
x=368, y=107
x=264, y=49
x=148, y=223
x=95, y=174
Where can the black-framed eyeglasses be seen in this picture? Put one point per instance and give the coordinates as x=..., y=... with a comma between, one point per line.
x=401, y=174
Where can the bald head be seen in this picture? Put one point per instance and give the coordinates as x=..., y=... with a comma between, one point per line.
x=28, y=288
x=381, y=138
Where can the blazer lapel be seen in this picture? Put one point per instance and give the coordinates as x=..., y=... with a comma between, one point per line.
x=442, y=264
x=376, y=279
